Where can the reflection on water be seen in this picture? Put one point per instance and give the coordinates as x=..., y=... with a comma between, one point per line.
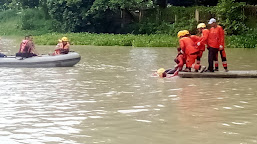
x=111, y=97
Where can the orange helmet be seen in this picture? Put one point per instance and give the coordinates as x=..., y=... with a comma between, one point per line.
x=201, y=25
x=65, y=39
x=186, y=32
x=161, y=72
x=181, y=33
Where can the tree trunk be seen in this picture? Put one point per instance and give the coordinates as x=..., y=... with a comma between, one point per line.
x=197, y=15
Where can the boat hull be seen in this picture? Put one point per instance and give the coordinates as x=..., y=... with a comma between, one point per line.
x=67, y=60
x=230, y=74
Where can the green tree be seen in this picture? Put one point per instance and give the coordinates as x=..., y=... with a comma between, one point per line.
x=9, y=4
x=104, y=13
x=18, y=4
x=89, y=15
x=251, y=2
x=28, y=3
x=67, y=14
x=231, y=15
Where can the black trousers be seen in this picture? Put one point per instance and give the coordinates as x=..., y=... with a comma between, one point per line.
x=25, y=55
x=223, y=58
x=171, y=71
x=212, y=56
x=2, y=55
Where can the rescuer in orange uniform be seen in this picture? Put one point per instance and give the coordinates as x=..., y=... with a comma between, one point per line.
x=200, y=40
x=190, y=50
x=187, y=54
x=179, y=60
x=203, y=36
x=196, y=39
x=215, y=43
x=63, y=46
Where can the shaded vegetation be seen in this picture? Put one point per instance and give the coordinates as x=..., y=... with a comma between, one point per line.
x=137, y=22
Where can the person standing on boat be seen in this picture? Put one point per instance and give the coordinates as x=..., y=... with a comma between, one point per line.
x=63, y=47
x=216, y=43
x=203, y=36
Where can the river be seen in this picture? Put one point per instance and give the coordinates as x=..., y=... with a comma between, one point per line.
x=111, y=97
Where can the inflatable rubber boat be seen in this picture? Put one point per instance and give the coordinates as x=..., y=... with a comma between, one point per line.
x=64, y=60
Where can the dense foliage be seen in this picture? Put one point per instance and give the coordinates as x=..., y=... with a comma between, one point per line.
x=231, y=16
x=104, y=16
x=204, y=2
x=126, y=17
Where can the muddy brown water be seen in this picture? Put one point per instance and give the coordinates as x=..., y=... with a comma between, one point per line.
x=111, y=97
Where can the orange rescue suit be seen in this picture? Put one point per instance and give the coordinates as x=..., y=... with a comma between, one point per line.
x=195, y=38
x=180, y=60
x=216, y=37
x=203, y=39
x=188, y=46
x=190, y=49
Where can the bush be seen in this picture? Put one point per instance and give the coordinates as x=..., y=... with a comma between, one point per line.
x=243, y=41
x=157, y=40
x=6, y=15
x=232, y=16
x=34, y=19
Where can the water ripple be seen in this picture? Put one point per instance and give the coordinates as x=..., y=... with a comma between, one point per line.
x=110, y=97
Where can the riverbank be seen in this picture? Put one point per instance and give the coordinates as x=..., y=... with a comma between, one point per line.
x=153, y=40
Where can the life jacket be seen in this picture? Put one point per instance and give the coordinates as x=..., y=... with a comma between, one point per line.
x=216, y=37
x=61, y=46
x=62, y=49
x=188, y=46
x=23, y=48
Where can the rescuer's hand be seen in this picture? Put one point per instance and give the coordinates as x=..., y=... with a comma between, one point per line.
x=221, y=47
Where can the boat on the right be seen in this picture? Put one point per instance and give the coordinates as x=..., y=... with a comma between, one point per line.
x=220, y=74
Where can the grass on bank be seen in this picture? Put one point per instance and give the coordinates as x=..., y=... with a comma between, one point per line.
x=155, y=40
